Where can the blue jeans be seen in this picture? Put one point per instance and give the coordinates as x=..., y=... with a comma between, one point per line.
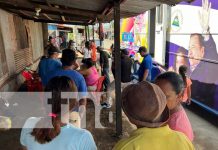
x=105, y=72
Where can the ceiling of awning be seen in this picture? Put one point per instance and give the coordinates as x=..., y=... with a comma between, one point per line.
x=78, y=12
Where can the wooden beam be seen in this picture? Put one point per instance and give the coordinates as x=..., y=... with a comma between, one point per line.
x=63, y=18
x=49, y=5
x=50, y=10
x=47, y=16
x=61, y=22
x=24, y=13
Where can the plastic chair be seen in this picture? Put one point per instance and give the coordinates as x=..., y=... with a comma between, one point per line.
x=100, y=84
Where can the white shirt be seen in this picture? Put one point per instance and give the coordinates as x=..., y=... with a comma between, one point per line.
x=87, y=53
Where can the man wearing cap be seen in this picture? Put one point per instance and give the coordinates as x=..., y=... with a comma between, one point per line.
x=48, y=65
x=144, y=72
x=145, y=106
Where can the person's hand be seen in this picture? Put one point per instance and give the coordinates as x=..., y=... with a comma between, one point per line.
x=204, y=15
x=188, y=102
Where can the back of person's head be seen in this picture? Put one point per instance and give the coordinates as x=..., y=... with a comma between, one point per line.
x=68, y=57
x=174, y=79
x=53, y=50
x=88, y=62
x=142, y=49
x=145, y=105
x=99, y=48
x=124, y=51
x=43, y=131
x=87, y=44
x=182, y=71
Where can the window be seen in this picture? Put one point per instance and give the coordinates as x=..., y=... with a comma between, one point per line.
x=21, y=33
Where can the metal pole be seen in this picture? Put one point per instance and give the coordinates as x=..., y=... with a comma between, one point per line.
x=93, y=30
x=117, y=67
x=86, y=32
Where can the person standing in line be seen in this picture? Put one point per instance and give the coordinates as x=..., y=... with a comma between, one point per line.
x=126, y=68
x=144, y=72
x=187, y=82
x=172, y=85
x=50, y=64
x=145, y=105
x=94, y=52
x=68, y=64
x=87, y=50
x=104, y=62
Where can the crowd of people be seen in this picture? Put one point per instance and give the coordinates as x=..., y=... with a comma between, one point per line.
x=154, y=106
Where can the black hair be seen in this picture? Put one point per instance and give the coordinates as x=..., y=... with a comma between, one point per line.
x=42, y=132
x=87, y=45
x=142, y=49
x=182, y=71
x=51, y=50
x=68, y=57
x=124, y=51
x=88, y=62
x=50, y=38
x=174, y=79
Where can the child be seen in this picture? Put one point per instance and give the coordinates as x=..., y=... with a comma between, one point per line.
x=187, y=82
x=172, y=85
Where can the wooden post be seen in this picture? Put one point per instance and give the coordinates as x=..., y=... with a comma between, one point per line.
x=117, y=67
x=100, y=33
x=86, y=33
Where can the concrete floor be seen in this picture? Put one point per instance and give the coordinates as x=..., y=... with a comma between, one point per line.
x=206, y=134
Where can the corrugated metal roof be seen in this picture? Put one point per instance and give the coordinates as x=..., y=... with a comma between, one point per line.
x=81, y=12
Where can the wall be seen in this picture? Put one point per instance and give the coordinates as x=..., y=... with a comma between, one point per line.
x=22, y=45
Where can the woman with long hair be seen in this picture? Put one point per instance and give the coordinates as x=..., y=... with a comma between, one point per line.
x=187, y=85
x=55, y=132
x=172, y=85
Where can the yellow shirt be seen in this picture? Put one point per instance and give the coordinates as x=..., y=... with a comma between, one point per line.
x=162, y=138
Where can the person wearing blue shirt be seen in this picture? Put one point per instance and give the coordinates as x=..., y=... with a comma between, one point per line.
x=144, y=72
x=68, y=63
x=48, y=65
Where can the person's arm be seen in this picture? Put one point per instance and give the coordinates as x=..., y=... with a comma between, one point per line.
x=145, y=75
x=84, y=71
x=82, y=89
x=189, y=95
x=101, y=61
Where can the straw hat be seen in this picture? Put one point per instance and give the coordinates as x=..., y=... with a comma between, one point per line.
x=144, y=104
